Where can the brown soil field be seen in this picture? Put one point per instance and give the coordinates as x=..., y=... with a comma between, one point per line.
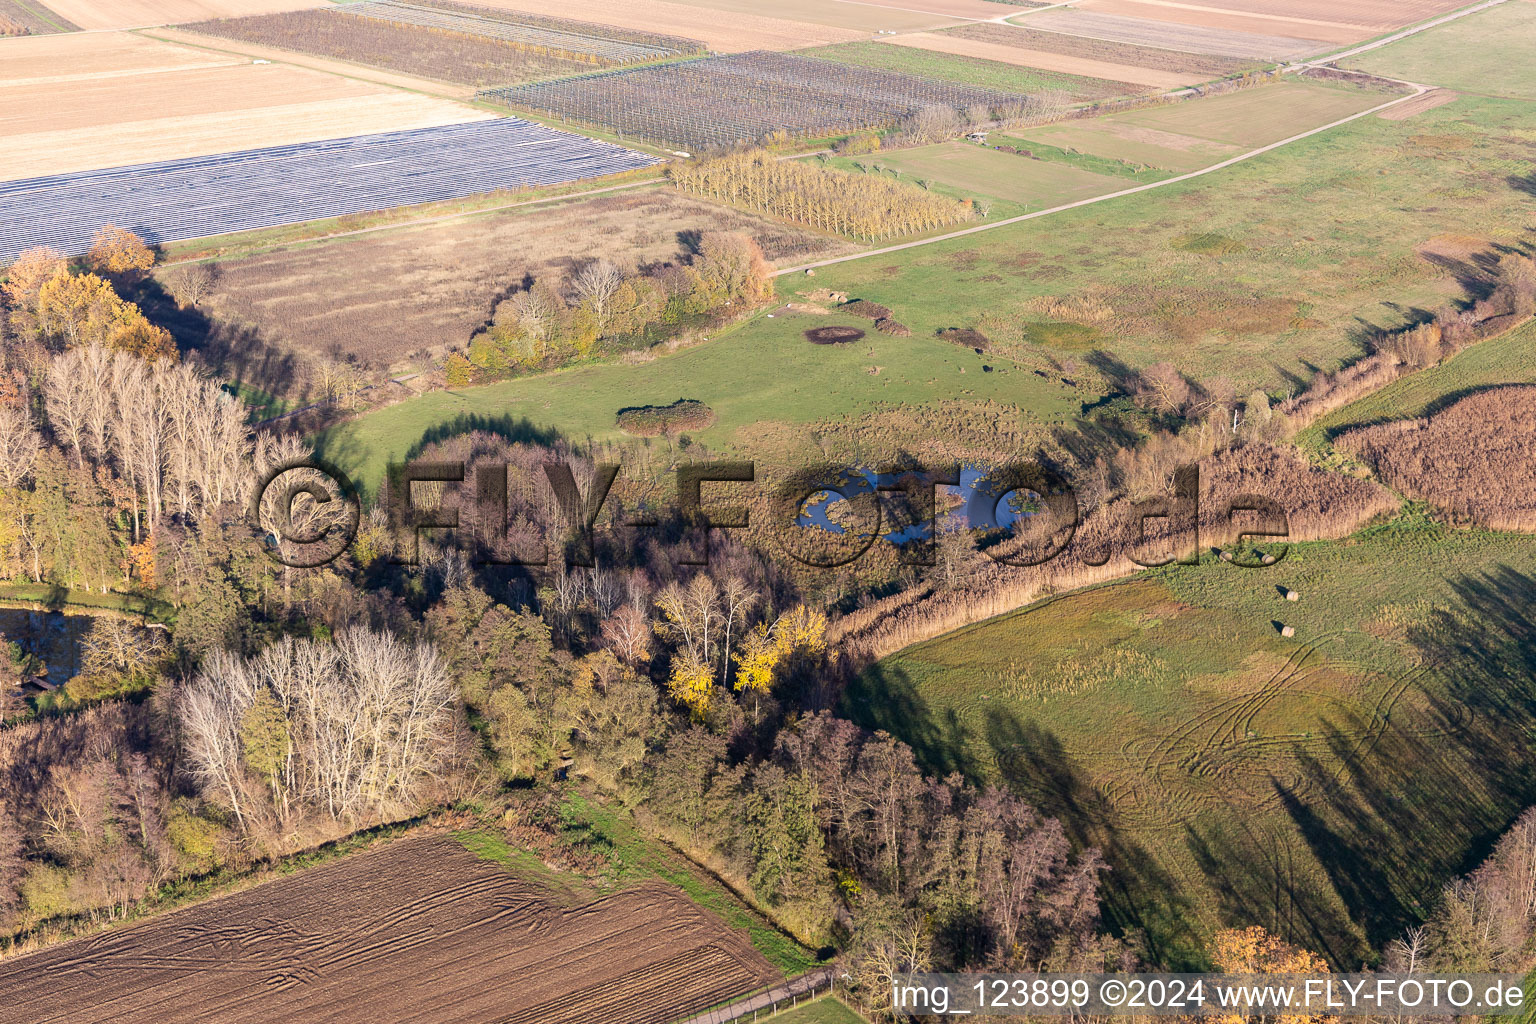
x=862, y=17
x=1235, y=21
x=1062, y=63
x=96, y=14
x=79, y=57
x=1115, y=21
x=1429, y=101
x=417, y=930
x=725, y=31
x=1375, y=15
x=1472, y=459
x=1150, y=58
x=309, y=60
x=163, y=114
x=433, y=286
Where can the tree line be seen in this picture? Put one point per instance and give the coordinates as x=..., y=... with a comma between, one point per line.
x=867, y=207
x=550, y=323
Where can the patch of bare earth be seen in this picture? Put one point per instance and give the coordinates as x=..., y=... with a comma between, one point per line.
x=389, y=295
x=419, y=929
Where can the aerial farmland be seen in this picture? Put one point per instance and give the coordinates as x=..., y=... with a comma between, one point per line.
x=695, y=511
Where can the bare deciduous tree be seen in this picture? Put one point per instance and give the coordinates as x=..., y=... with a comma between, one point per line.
x=351, y=727
x=19, y=443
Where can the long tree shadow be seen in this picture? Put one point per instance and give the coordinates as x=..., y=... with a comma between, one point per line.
x=1393, y=822
x=882, y=697
x=1141, y=900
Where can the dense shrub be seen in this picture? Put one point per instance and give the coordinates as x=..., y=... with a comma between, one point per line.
x=966, y=336
x=656, y=420
x=1472, y=459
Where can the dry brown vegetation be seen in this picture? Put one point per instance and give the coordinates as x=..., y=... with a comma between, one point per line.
x=1472, y=459
x=433, y=286
x=417, y=928
x=656, y=420
x=1150, y=57
x=974, y=587
x=477, y=58
x=17, y=19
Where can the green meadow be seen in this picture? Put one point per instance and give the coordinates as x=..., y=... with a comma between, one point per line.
x=1323, y=785
x=1483, y=54
x=761, y=379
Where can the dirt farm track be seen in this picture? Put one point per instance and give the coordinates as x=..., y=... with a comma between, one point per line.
x=419, y=930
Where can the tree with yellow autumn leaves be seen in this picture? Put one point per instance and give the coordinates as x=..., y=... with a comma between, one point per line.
x=51, y=304
x=706, y=622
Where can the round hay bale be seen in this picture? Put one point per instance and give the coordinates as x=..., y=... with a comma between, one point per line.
x=1291, y=595
x=1287, y=630
x=833, y=335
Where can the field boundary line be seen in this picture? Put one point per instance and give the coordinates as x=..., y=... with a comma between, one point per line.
x=791, y=989
x=1329, y=58
x=287, y=59
x=1419, y=90
x=402, y=224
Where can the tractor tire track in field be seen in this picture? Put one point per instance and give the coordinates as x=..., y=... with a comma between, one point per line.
x=1217, y=756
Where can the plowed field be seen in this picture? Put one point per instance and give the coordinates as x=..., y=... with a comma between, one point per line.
x=418, y=931
x=92, y=14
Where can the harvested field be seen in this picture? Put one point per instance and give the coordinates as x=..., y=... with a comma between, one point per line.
x=288, y=184
x=722, y=101
x=257, y=51
x=1372, y=14
x=861, y=17
x=721, y=30
x=433, y=286
x=1116, y=140
x=1173, y=36
x=1472, y=459
x=31, y=18
x=98, y=14
x=1150, y=58
x=1131, y=76
x=60, y=59
x=419, y=929
x=468, y=45
x=1256, y=116
x=1429, y=101
x=990, y=74
x=1207, y=17
x=164, y=102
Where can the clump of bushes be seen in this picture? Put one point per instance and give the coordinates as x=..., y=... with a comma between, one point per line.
x=969, y=337
x=656, y=420
x=857, y=145
x=885, y=325
x=554, y=323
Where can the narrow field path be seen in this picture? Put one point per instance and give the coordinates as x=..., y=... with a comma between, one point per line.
x=1418, y=90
